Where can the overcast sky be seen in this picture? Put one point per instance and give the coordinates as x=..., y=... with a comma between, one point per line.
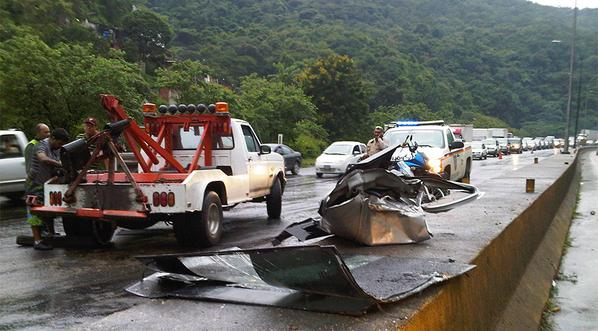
x=568, y=3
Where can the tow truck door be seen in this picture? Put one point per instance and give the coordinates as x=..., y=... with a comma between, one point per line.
x=257, y=170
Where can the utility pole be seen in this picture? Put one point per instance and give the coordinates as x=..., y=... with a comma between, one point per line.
x=578, y=103
x=571, y=62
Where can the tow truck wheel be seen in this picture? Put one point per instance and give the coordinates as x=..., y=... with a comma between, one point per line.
x=274, y=200
x=100, y=231
x=205, y=231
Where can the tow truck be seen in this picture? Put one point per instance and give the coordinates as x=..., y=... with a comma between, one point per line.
x=447, y=156
x=193, y=163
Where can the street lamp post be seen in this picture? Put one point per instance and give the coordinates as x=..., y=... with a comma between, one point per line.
x=571, y=62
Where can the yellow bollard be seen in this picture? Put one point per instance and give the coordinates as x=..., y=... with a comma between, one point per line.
x=530, y=185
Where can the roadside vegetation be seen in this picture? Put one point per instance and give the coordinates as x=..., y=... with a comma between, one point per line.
x=316, y=71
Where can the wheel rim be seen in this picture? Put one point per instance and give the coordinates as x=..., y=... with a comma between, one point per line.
x=213, y=219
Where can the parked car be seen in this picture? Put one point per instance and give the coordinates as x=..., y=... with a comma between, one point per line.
x=292, y=159
x=550, y=141
x=540, y=143
x=491, y=146
x=336, y=158
x=479, y=150
x=515, y=145
x=559, y=142
x=503, y=146
x=12, y=163
x=528, y=143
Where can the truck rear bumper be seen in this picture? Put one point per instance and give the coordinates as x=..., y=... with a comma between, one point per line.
x=89, y=213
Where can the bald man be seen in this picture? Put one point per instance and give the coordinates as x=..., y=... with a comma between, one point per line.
x=42, y=132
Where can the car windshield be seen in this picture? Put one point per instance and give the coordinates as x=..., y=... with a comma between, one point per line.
x=490, y=142
x=476, y=144
x=339, y=149
x=502, y=140
x=514, y=141
x=425, y=138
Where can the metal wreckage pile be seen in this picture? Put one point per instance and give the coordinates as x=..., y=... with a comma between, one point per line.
x=370, y=205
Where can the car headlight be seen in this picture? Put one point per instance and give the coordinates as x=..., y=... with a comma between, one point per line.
x=434, y=165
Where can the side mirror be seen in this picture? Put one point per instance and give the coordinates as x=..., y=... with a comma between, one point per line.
x=265, y=149
x=456, y=144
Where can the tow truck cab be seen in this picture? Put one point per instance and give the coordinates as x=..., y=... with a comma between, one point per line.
x=192, y=166
x=447, y=155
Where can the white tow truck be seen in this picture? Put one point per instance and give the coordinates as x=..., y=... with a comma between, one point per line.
x=194, y=161
x=447, y=156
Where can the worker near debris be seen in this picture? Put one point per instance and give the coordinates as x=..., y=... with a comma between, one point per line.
x=44, y=164
x=42, y=131
x=377, y=143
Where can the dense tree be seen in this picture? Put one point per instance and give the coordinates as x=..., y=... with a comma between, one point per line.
x=190, y=80
x=148, y=36
x=61, y=85
x=274, y=107
x=339, y=92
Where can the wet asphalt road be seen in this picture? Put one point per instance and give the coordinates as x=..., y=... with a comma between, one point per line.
x=65, y=288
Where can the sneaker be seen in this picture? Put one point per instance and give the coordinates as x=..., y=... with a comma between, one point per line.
x=42, y=247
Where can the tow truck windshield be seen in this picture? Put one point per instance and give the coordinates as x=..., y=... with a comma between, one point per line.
x=424, y=138
x=189, y=139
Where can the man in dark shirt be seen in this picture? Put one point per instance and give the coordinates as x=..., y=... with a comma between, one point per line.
x=90, y=126
x=44, y=163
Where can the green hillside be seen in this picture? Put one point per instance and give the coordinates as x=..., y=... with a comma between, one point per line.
x=491, y=57
x=314, y=70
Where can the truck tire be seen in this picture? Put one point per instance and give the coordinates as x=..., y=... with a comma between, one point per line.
x=274, y=200
x=467, y=171
x=100, y=231
x=205, y=231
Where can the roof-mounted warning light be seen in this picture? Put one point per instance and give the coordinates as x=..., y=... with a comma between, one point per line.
x=149, y=108
x=418, y=123
x=221, y=107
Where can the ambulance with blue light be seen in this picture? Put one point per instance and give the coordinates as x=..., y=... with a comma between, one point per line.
x=447, y=156
x=194, y=162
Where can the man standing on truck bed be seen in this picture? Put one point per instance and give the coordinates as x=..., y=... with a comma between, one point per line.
x=45, y=161
x=90, y=127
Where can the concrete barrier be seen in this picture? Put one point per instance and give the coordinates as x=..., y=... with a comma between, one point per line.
x=510, y=286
